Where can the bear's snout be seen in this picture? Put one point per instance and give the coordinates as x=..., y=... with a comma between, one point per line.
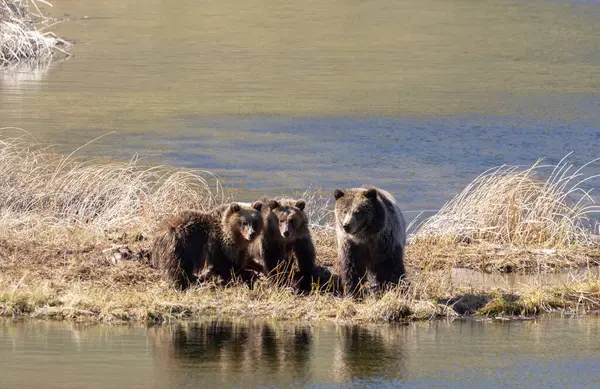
x=250, y=232
x=347, y=223
x=287, y=228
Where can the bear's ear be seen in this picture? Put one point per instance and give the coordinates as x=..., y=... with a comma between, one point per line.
x=300, y=204
x=257, y=205
x=234, y=207
x=371, y=193
x=273, y=204
x=337, y=193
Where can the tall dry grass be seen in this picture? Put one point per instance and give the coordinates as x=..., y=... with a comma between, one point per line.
x=509, y=205
x=22, y=32
x=319, y=208
x=47, y=197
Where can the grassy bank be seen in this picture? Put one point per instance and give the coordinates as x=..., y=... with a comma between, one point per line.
x=79, y=287
x=25, y=35
x=75, y=235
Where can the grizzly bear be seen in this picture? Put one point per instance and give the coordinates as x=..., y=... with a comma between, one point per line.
x=371, y=236
x=285, y=233
x=217, y=239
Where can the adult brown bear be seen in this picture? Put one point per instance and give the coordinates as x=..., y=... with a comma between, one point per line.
x=371, y=237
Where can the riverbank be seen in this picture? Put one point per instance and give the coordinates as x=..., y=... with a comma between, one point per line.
x=93, y=286
x=75, y=238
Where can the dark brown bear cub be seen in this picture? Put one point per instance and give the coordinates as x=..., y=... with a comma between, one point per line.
x=217, y=239
x=285, y=233
x=371, y=236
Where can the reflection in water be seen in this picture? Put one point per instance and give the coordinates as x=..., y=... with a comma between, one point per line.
x=369, y=352
x=275, y=354
x=556, y=352
x=17, y=82
x=280, y=353
x=22, y=77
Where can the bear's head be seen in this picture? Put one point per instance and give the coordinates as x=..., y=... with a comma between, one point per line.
x=244, y=220
x=289, y=216
x=355, y=209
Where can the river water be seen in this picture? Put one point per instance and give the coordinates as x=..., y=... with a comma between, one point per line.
x=416, y=96
x=558, y=353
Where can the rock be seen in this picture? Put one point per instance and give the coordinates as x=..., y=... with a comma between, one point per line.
x=543, y=251
x=142, y=255
x=116, y=254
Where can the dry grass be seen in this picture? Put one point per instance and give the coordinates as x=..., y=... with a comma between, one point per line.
x=84, y=287
x=491, y=257
x=53, y=200
x=511, y=206
x=320, y=213
x=22, y=36
x=577, y=297
x=65, y=224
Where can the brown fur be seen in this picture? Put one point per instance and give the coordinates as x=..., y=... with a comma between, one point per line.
x=371, y=236
x=217, y=239
x=285, y=233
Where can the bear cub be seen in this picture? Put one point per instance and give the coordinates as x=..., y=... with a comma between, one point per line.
x=371, y=237
x=285, y=233
x=217, y=239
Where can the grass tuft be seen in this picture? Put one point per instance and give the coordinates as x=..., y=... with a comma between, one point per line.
x=20, y=38
x=60, y=200
x=511, y=206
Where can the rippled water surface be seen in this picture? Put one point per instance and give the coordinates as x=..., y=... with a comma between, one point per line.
x=557, y=353
x=418, y=97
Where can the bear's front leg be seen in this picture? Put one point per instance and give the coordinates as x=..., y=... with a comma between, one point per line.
x=305, y=255
x=391, y=269
x=273, y=256
x=351, y=257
